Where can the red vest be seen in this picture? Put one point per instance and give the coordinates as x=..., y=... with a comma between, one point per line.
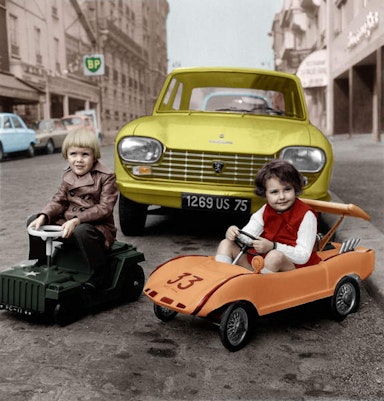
x=283, y=227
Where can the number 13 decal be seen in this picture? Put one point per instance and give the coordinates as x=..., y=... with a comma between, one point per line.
x=189, y=280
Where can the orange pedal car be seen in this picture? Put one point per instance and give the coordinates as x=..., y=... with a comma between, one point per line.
x=233, y=296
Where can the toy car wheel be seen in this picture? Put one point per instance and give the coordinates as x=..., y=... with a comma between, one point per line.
x=163, y=313
x=346, y=298
x=62, y=314
x=132, y=216
x=235, y=326
x=134, y=283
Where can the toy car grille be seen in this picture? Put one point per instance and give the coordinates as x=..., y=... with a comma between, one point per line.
x=21, y=293
x=219, y=168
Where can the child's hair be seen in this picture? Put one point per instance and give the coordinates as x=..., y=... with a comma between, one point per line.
x=81, y=138
x=281, y=169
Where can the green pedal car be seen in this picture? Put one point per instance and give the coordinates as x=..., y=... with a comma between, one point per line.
x=58, y=289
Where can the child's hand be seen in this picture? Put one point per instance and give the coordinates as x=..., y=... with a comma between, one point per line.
x=262, y=245
x=69, y=226
x=37, y=223
x=232, y=233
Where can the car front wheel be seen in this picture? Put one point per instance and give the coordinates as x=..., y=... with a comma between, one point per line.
x=132, y=216
x=50, y=147
x=1, y=152
x=346, y=298
x=235, y=326
x=31, y=150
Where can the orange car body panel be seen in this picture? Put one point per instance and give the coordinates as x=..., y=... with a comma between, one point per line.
x=199, y=285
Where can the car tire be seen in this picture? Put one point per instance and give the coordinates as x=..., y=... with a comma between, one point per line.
x=235, y=326
x=346, y=298
x=62, y=314
x=50, y=147
x=132, y=216
x=1, y=152
x=163, y=313
x=31, y=150
x=133, y=284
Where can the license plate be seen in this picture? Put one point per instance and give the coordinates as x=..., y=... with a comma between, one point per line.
x=215, y=203
x=12, y=308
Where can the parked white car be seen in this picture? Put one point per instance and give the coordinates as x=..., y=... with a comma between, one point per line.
x=15, y=136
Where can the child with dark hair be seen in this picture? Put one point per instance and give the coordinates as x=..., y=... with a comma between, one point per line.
x=285, y=228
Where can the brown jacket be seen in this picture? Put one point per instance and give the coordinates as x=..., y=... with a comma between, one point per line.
x=91, y=198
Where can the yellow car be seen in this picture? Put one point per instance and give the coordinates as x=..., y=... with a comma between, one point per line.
x=210, y=131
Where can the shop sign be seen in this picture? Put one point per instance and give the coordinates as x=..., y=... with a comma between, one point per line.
x=364, y=32
x=313, y=70
x=94, y=64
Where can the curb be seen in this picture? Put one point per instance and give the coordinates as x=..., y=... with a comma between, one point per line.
x=371, y=238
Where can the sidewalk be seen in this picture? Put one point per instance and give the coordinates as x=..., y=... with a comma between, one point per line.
x=360, y=149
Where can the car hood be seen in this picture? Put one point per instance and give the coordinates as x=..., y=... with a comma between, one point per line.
x=231, y=133
x=186, y=283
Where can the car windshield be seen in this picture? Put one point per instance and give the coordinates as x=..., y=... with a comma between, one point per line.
x=232, y=92
x=42, y=125
x=72, y=121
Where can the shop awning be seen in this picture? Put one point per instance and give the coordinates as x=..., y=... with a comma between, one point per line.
x=313, y=70
x=12, y=87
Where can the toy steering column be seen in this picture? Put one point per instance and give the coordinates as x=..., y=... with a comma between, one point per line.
x=47, y=233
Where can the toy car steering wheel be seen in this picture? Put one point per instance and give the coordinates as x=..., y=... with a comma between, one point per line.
x=242, y=244
x=47, y=233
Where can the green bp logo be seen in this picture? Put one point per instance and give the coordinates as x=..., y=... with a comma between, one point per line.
x=94, y=64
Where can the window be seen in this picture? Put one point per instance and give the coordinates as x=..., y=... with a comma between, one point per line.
x=115, y=76
x=56, y=53
x=7, y=122
x=16, y=122
x=39, y=57
x=14, y=35
x=55, y=13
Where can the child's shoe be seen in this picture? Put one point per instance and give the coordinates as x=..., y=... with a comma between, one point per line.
x=257, y=263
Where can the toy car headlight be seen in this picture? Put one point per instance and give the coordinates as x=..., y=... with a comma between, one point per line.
x=140, y=150
x=305, y=159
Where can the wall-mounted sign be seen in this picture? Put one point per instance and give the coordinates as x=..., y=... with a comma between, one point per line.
x=313, y=70
x=364, y=32
x=94, y=64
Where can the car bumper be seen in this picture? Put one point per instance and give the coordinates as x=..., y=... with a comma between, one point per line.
x=170, y=195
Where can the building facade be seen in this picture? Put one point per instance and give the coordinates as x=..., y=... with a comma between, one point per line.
x=335, y=47
x=47, y=42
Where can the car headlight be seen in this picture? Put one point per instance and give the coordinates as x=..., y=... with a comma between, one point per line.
x=140, y=150
x=305, y=159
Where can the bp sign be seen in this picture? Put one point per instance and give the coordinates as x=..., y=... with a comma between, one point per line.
x=94, y=64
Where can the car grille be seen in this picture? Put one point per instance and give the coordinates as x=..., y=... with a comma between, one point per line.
x=17, y=292
x=237, y=169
